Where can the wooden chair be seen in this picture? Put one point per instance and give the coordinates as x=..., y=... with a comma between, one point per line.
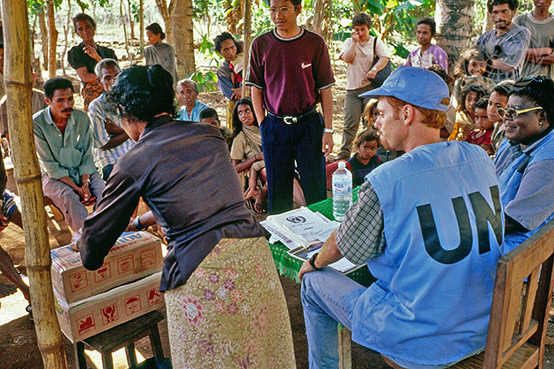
x=520, y=306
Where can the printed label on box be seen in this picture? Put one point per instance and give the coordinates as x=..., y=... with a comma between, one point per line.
x=125, y=264
x=78, y=281
x=148, y=257
x=103, y=273
x=86, y=324
x=154, y=296
x=109, y=314
x=132, y=305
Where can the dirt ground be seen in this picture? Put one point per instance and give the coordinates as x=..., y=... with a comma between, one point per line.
x=18, y=342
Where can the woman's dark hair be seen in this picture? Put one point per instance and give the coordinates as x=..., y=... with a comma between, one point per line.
x=144, y=92
x=430, y=22
x=85, y=17
x=461, y=69
x=540, y=89
x=361, y=19
x=156, y=29
x=471, y=87
x=237, y=124
x=56, y=83
x=223, y=37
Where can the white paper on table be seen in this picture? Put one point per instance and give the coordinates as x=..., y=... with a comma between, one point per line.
x=278, y=235
x=306, y=224
x=342, y=265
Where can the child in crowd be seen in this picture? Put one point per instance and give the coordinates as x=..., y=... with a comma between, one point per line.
x=445, y=131
x=427, y=54
x=482, y=135
x=472, y=69
x=365, y=160
x=209, y=116
x=465, y=112
x=498, y=100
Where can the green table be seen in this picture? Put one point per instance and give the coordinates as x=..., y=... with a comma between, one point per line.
x=289, y=266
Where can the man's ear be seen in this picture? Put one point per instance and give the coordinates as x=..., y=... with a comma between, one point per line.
x=298, y=8
x=48, y=101
x=407, y=114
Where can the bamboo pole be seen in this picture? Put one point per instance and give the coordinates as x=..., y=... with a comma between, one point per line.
x=52, y=39
x=247, y=43
x=17, y=78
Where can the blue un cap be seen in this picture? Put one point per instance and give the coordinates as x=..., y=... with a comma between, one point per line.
x=416, y=86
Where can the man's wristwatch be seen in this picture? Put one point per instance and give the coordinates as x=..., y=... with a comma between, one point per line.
x=86, y=180
x=328, y=130
x=312, y=261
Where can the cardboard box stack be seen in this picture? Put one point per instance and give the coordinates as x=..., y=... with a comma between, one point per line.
x=124, y=288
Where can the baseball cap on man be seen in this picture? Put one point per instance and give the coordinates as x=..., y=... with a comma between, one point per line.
x=416, y=86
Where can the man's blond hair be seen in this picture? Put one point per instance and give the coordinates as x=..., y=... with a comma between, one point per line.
x=430, y=118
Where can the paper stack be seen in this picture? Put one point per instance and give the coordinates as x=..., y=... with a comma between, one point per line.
x=303, y=232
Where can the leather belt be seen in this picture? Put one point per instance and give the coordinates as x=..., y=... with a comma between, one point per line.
x=291, y=119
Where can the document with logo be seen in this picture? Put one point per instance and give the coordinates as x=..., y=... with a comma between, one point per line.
x=300, y=228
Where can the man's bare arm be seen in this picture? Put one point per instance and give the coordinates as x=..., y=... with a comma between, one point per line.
x=257, y=102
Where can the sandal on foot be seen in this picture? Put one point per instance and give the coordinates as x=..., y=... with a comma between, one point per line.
x=251, y=195
x=258, y=209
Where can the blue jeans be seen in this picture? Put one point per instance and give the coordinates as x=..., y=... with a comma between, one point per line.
x=285, y=144
x=329, y=297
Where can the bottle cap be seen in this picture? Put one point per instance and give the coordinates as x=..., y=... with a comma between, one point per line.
x=342, y=164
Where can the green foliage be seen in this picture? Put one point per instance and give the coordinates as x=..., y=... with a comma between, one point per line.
x=207, y=81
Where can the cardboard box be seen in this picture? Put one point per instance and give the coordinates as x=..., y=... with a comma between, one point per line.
x=135, y=255
x=87, y=318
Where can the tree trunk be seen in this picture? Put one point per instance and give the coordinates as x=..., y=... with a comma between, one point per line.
x=66, y=35
x=454, y=27
x=322, y=18
x=141, y=22
x=27, y=175
x=487, y=23
x=166, y=13
x=247, y=43
x=183, y=35
x=53, y=38
x=123, y=21
x=131, y=23
x=43, y=37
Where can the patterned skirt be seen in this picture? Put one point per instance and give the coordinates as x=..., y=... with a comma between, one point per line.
x=232, y=312
x=89, y=92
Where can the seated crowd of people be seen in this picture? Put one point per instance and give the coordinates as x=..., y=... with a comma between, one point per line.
x=453, y=172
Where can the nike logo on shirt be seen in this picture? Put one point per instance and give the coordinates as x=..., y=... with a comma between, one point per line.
x=304, y=66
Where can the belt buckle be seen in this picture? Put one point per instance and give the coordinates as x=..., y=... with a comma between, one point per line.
x=290, y=120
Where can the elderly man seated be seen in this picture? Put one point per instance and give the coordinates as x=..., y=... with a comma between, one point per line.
x=429, y=225
x=64, y=147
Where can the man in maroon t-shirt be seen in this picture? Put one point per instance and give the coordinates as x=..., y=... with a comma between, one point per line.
x=290, y=73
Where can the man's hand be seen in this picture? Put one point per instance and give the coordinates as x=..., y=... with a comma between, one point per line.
x=237, y=94
x=327, y=143
x=85, y=195
x=131, y=226
x=306, y=268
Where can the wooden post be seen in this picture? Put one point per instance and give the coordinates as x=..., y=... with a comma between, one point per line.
x=247, y=43
x=17, y=77
x=345, y=348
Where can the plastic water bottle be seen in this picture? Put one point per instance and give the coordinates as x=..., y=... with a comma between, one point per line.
x=342, y=191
